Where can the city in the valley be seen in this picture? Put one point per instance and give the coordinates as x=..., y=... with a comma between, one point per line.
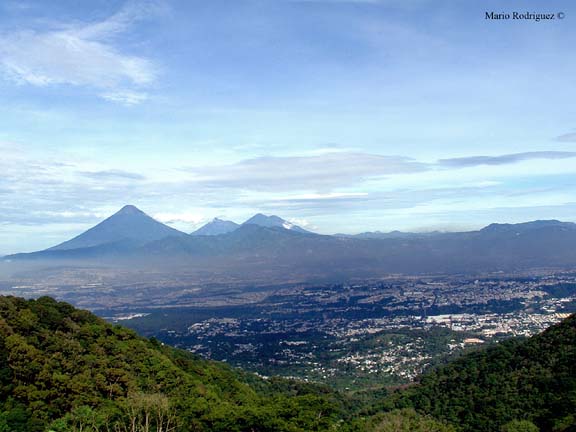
x=349, y=335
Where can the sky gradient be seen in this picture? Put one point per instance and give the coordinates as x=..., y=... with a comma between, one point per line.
x=339, y=115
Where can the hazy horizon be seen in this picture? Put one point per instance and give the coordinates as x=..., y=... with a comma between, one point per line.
x=341, y=116
x=312, y=229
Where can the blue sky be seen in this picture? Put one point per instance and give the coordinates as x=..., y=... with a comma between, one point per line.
x=340, y=115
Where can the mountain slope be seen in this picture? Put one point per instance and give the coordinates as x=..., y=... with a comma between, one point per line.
x=68, y=368
x=532, y=380
x=129, y=223
x=216, y=227
x=390, y=235
x=526, y=227
x=268, y=243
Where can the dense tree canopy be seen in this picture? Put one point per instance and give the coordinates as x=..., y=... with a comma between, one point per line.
x=66, y=368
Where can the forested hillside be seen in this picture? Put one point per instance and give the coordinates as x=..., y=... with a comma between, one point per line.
x=67, y=369
x=515, y=384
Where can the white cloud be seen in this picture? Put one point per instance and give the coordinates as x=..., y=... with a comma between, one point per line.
x=320, y=172
x=317, y=196
x=185, y=217
x=407, y=4
x=337, y=1
x=505, y=159
x=303, y=223
x=126, y=97
x=79, y=55
x=568, y=137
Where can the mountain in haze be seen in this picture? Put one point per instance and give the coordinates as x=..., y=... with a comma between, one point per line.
x=273, y=222
x=219, y=226
x=278, y=246
x=131, y=233
x=124, y=231
x=129, y=224
x=526, y=227
x=216, y=227
x=389, y=235
x=246, y=242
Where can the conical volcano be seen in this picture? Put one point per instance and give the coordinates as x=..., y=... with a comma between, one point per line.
x=128, y=224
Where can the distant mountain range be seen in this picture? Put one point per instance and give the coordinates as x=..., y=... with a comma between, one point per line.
x=270, y=241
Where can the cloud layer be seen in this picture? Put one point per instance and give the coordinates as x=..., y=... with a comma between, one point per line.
x=569, y=137
x=317, y=172
x=504, y=159
x=59, y=191
x=80, y=55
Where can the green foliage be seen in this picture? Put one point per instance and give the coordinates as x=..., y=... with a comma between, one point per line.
x=67, y=370
x=4, y=423
x=407, y=420
x=81, y=419
x=519, y=426
x=533, y=379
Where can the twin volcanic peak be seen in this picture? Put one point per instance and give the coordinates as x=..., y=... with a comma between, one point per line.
x=219, y=226
x=273, y=222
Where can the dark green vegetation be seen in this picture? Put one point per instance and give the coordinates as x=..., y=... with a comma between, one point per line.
x=561, y=289
x=505, y=388
x=64, y=369
x=407, y=420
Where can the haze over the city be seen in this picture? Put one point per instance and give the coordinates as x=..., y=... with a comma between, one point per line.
x=338, y=115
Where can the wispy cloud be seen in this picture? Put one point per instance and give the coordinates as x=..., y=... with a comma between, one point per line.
x=569, y=137
x=125, y=97
x=37, y=190
x=338, y=1
x=191, y=218
x=326, y=196
x=472, y=161
x=318, y=172
x=112, y=174
x=81, y=55
x=375, y=2
x=323, y=173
